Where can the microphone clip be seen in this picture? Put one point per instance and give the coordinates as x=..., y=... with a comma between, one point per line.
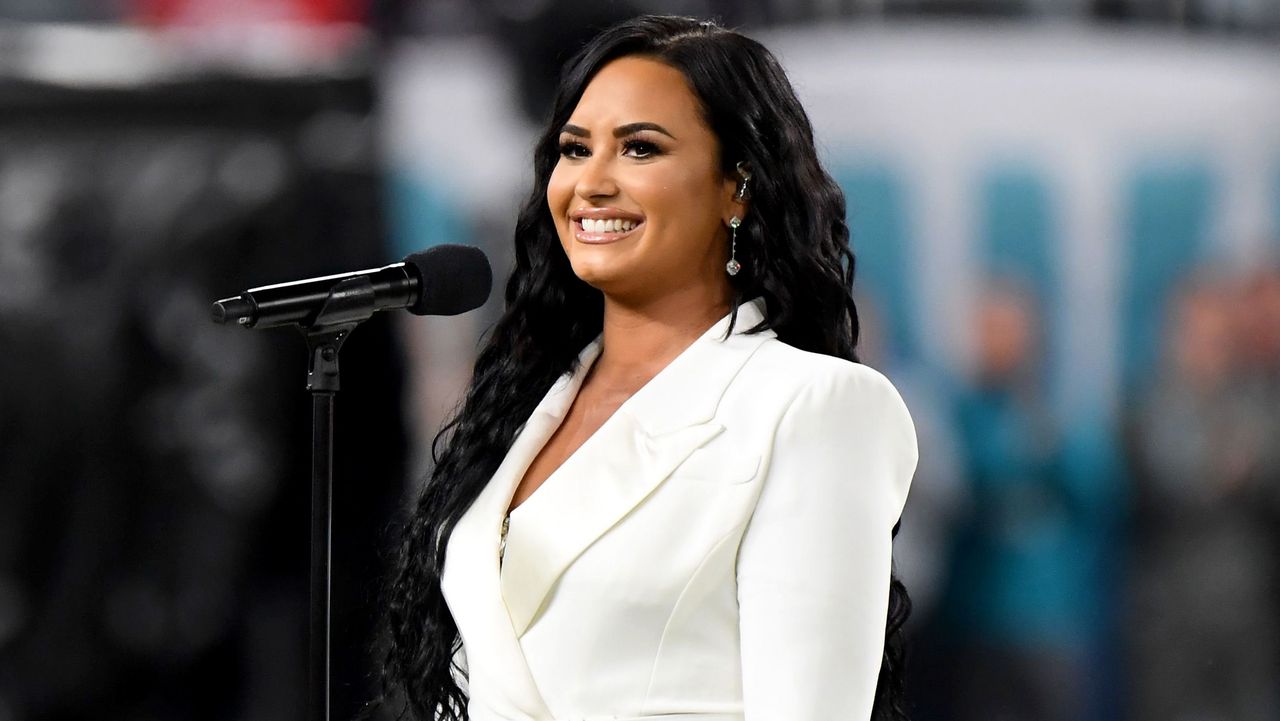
x=350, y=303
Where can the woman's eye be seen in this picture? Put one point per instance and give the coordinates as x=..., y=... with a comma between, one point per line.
x=573, y=150
x=639, y=149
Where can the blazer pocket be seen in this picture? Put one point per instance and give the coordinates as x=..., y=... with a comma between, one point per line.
x=719, y=467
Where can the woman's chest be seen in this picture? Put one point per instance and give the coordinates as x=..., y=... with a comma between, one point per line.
x=590, y=410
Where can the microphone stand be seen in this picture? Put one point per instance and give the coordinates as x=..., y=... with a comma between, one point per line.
x=452, y=279
x=349, y=304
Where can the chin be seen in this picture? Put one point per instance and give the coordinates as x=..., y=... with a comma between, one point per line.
x=601, y=276
x=599, y=267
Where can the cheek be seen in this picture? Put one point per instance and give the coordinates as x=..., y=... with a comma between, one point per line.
x=665, y=194
x=683, y=199
x=559, y=193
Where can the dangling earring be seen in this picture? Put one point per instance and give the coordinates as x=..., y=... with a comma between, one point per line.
x=733, y=266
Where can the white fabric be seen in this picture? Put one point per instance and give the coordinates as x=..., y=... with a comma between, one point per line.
x=718, y=550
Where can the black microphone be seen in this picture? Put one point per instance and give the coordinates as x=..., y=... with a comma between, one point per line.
x=443, y=280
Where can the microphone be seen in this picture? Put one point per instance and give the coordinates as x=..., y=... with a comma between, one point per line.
x=443, y=280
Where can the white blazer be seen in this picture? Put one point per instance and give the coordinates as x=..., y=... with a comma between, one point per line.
x=719, y=550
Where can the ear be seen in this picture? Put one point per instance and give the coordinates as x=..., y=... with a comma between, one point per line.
x=738, y=187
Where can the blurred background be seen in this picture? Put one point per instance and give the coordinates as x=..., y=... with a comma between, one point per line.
x=1067, y=221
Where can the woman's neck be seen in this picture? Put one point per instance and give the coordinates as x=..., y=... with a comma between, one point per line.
x=639, y=340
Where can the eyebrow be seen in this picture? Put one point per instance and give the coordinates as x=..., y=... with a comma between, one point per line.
x=620, y=131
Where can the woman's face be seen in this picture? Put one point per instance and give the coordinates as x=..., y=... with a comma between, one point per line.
x=638, y=197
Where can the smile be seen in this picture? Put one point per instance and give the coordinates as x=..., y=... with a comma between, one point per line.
x=604, y=230
x=609, y=225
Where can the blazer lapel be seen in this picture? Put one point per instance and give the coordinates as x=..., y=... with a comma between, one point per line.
x=471, y=579
x=635, y=450
x=595, y=488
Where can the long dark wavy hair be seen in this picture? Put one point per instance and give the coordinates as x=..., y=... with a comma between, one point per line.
x=794, y=247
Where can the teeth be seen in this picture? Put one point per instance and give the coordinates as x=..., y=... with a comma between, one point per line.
x=607, y=225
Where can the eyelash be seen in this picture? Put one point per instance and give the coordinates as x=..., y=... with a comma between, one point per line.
x=646, y=149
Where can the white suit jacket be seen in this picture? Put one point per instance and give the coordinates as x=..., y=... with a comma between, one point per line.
x=719, y=550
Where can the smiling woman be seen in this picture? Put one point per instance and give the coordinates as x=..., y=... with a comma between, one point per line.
x=671, y=490
x=636, y=151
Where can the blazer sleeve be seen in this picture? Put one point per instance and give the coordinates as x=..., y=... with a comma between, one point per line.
x=813, y=566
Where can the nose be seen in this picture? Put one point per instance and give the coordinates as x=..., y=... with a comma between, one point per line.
x=596, y=179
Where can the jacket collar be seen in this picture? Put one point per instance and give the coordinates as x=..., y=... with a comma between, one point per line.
x=698, y=376
x=615, y=469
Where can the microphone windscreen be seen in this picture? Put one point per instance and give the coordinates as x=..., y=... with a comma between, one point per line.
x=452, y=279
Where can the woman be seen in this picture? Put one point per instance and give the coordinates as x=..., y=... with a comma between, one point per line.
x=670, y=492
